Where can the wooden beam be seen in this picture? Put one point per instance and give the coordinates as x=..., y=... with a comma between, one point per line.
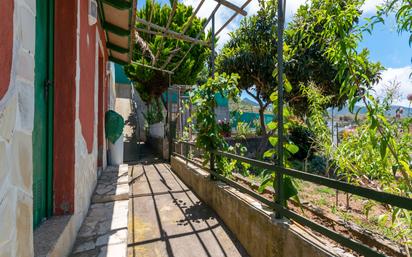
x=232, y=6
x=117, y=48
x=231, y=18
x=118, y=4
x=118, y=61
x=152, y=67
x=168, y=33
x=115, y=29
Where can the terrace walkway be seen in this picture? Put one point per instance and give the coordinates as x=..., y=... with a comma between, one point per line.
x=167, y=219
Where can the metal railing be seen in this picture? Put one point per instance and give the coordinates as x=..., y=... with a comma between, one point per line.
x=281, y=210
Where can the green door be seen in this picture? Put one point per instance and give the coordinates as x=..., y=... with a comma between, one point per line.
x=43, y=113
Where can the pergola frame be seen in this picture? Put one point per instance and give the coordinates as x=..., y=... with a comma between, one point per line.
x=155, y=29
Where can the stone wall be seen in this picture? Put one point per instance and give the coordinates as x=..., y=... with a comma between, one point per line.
x=253, y=225
x=16, y=126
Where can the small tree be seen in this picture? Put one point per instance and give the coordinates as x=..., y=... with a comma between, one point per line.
x=307, y=52
x=251, y=53
x=159, y=51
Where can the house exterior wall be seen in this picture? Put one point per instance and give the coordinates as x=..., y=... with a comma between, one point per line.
x=17, y=47
x=90, y=40
x=75, y=127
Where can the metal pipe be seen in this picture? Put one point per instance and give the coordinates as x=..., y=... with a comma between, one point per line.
x=233, y=7
x=172, y=34
x=232, y=17
x=152, y=67
x=212, y=57
x=279, y=175
x=197, y=36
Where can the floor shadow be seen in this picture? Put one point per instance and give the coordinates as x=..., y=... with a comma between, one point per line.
x=200, y=232
x=197, y=213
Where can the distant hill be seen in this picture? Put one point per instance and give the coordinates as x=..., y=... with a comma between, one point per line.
x=363, y=110
x=247, y=101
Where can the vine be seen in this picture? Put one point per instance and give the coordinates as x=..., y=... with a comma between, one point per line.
x=209, y=136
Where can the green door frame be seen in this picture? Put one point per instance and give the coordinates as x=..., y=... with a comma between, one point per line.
x=43, y=116
x=50, y=107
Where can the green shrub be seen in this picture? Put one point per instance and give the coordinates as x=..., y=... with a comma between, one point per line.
x=303, y=137
x=154, y=113
x=317, y=164
x=243, y=129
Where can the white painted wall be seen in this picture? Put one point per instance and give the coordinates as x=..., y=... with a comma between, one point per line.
x=157, y=130
x=85, y=163
x=16, y=126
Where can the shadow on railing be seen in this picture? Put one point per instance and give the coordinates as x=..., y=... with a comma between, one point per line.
x=280, y=209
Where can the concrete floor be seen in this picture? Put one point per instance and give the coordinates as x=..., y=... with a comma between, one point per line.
x=167, y=219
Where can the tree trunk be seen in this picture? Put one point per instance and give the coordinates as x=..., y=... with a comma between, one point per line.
x=262, y=120
x=264, y=142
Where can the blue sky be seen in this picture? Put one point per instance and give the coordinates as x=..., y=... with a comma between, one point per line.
x=388, y=46
x=385, y=44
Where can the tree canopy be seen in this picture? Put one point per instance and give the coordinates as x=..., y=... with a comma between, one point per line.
x=309, y=43
x=159, y=51
x=251, y=53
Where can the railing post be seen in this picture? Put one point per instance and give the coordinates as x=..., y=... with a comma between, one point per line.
x=212, y=164
x=279, y=173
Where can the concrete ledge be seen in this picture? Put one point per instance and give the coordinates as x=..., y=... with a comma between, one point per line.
x=55, y=237
x=254, y=227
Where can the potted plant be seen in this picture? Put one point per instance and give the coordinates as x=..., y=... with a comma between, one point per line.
x=224, y=127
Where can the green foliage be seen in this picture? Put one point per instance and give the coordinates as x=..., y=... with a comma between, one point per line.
x=318, y=165
x=155, y=50
x=364, y=157
x=243, y=129
x=336, y=20
x=316, y=33
x=251, y=52
x=154, y=113
x=224, y=127
x=258, y=128
x=203, y=99
x=303, y=137
x=289, y=149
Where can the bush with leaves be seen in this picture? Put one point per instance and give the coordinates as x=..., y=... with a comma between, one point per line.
x=154, y=113
x=363, y=158
x=244, y=130
x=289, y=148
x=251, y=52
x=303, y=137
x=203, y=99
x=311, y=38
x=167, y=53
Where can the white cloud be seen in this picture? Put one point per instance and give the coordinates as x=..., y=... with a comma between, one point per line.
x=400, y=75
x=369, y=7
x=224, y=13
